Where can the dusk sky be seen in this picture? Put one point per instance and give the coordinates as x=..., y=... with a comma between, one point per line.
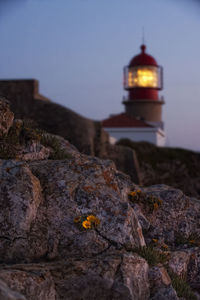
x=77, y=50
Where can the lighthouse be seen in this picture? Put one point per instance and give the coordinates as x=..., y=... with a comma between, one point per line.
x=142, y=119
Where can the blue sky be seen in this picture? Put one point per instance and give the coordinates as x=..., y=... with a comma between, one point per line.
x=77, y=50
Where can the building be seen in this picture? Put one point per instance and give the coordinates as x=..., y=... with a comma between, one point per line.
x=142, y=119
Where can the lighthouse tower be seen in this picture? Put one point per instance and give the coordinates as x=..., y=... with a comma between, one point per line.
x=142, y=119
x=143, y=78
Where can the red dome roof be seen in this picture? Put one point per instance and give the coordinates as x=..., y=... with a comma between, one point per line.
x=124, y=120
x=143, y=59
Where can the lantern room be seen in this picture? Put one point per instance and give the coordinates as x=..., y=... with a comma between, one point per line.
x=143, y=77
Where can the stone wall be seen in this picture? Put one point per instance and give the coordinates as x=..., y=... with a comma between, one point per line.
x=26, y=102
x=21, y=93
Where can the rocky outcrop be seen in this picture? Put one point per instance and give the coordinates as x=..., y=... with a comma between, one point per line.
x=64, y=190
x=74, y=227
x=120, y=277
x=125, y=160
x=29, y=283
x=165, y=294
x=175, y=167
x=40, y=201
x=158, y=278
x=7, y=294
x=179, y=213
x=6, y=117
x=186, y=264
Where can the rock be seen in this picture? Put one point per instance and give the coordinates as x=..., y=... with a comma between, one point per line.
x=68, y=220
x=125, y=160
x=7, y=294
x=34, y=151
x=178, y=262
x=158, y=278
x=197, y=296
x=33, y=284
x=32, y=227
x=106, y=277
x=193, y=269
x=179, y=168
x=87, y=186
x=165, y=294
x=145, y=224
x=186, y=264
x=20, y=197
x=135, y=273
x=6, y=116
x=26, y=142
x=177, y=215
x=65, y=146
x=117, y=277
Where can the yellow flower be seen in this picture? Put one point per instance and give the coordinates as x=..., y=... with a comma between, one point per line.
x=164, y=246
x=132, y=194
x=86, y=224
x=93, y=219
x=138, y=191
x=192, y=241
x=97, y=221
x=155, y=205
x=155, y=240
x=77, y=219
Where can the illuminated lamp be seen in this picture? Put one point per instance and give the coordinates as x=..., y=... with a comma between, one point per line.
x=143, y=78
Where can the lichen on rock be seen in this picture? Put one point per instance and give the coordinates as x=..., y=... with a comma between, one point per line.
x=74, y=227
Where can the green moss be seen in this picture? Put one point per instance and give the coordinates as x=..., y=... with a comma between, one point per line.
x=24, y=131
x=18, y=135
x=152, y=255
x=28, y=131
x=52, y=142
x=181, y=286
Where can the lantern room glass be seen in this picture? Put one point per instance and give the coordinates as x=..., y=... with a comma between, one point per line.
x=143, y=77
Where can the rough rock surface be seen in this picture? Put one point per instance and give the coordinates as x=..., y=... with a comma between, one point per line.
x=7, y=294
x=186, y=263
x=40, y=200
x=175, y=167
x=125, y=160
x=34, y=151
x=177, y=216
x=64, y=190
x=46, y=254
x=165, y=294
x=34, y=284
x=158, y=278
x=6, y=116
x=122, y=276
